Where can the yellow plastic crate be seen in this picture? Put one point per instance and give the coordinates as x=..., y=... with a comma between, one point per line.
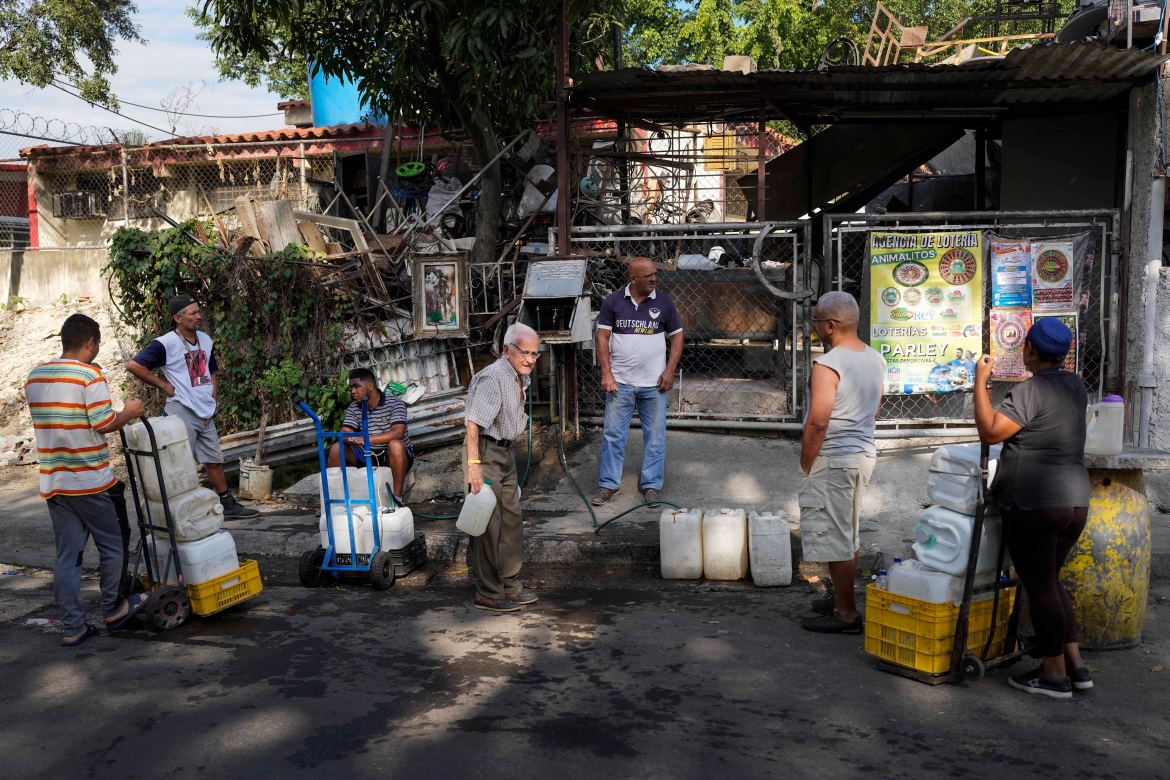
x=919, y=635
x=212, y=596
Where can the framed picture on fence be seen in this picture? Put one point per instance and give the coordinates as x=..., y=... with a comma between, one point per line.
x=440, y=296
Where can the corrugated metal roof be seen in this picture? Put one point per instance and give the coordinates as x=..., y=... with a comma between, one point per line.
x=1074, y=73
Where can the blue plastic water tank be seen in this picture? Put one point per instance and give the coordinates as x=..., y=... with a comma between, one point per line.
x=336, y=101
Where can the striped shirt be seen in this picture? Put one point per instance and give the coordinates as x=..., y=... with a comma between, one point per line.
x=390, y=411
x=69, y=401
x=495, y=401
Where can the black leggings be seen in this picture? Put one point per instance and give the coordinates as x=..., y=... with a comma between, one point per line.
x=1040, y=541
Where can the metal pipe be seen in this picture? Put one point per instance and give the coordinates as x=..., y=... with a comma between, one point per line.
x=744, y=425
x=125, y=190
x=761, y=162
x=691, y=229
x=980, y=169
x=1146, y=380
x=935, y=216
x=1129, y=24
x=564, y=212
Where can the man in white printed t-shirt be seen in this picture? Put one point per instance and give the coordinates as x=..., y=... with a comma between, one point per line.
x=187, y=360
x=633, y=328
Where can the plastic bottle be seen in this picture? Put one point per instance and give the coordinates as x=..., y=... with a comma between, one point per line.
x=883, y=580
x=1104, y=426
x=477, y=510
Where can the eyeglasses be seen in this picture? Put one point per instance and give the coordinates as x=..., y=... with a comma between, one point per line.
x=525, y=353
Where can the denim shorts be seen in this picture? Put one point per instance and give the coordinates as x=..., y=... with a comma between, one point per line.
x=204, y=437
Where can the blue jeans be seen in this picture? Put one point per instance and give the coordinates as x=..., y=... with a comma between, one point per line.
x=619, y=411
x=75, y=519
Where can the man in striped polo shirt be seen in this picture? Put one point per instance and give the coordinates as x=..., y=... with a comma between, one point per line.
x=72, y=413
x=389, y=443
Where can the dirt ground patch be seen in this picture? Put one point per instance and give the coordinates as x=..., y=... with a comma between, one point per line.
x=31, y=337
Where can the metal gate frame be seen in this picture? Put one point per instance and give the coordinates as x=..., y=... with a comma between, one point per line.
x=1105, y=222
x=622, y=240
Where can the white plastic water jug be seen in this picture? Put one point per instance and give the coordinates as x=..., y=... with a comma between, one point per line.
x=770, y=548
x=202, y=560
x=953, y=479
x=725, y=553
x=1104, y=426
x=396, y=527
x=477, y=510
x=197, y=514
x=359, y=484
x=918, y=581
x=174, y=452
x=361, y=516
x=680, y=544
x=944, y=541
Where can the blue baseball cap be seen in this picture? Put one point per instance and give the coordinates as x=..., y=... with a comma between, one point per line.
x=1049, y=336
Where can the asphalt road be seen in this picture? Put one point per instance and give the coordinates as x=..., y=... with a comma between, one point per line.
x=610, y=683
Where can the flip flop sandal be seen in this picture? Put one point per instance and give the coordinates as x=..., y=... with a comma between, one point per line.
x=134, y=606
x=89, y=631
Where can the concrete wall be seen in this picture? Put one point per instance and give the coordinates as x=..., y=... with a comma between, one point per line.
x=1138, y=245
x=43, y=276
x=1061, y=162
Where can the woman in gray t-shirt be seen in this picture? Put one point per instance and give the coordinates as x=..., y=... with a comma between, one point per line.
x=1042, y=489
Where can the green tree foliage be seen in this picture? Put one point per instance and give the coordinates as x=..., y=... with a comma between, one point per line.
x=481, y=69
x=779, y=34
x=286, y=73
x=73, y=40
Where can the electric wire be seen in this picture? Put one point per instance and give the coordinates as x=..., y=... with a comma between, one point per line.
x=181, y=113
x=112, y=111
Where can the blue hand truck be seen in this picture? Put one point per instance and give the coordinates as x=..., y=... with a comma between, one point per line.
x=324, y=564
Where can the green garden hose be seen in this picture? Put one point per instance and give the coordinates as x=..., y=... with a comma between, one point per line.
x=523, y=480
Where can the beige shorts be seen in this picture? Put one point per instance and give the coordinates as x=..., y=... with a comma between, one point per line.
x=830, y=506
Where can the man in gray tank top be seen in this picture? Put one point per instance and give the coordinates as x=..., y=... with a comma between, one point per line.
x=837, y=456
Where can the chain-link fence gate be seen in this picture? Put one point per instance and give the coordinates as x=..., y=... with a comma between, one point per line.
x=846, y=253
x=745, y=358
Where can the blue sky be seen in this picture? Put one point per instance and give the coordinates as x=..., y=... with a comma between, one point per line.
x=147, y=74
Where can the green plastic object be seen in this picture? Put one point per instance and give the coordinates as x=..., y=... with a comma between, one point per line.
x=410, y=170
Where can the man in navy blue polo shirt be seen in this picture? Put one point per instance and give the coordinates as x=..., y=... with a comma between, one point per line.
x=632, y=330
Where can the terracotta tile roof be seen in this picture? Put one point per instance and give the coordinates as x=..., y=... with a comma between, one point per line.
x=285, y=105
x=289, y=134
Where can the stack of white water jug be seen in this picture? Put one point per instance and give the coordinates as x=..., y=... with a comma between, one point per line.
x=397, y=523
x=205, y=551
x=944, y=531
x=719, y=544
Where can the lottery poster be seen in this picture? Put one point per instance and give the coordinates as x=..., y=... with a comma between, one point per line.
x=1009, y=327
x=1052, y=276
x=1011, y=274
x=926, y=309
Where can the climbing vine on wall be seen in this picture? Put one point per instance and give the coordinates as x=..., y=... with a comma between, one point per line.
x=277, y=330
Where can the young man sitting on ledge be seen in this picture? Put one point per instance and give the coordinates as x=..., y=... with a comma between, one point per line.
x=389, y=442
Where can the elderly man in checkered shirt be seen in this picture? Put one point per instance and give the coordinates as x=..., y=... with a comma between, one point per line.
x=495, y=417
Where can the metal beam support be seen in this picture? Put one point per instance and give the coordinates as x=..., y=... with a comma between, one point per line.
x=761, y=162
x=563, y=178
x=980, y=168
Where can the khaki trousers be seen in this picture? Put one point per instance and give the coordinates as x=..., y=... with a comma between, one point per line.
x=496, y=555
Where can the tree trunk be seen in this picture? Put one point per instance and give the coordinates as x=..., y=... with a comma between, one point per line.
x=487, y=219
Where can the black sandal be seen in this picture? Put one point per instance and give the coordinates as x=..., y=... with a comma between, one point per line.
x=832, y=624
